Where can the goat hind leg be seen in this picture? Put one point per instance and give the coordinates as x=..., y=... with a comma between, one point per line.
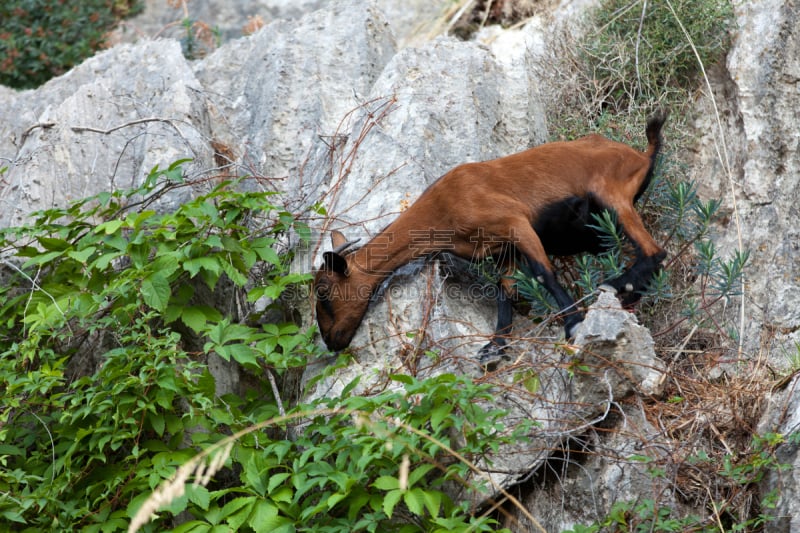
x=495, y=349
x=530, y=246
x=648, y=257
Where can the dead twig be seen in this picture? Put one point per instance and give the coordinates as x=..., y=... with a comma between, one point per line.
x=80, y=129
x=26, y=133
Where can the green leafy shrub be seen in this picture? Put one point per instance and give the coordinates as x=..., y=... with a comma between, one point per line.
x=358, y=464
x=40, y=39
x=107, y=330
x=640, y=51
x=79, y=441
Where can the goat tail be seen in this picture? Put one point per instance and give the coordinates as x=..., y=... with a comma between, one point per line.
x=653, y=131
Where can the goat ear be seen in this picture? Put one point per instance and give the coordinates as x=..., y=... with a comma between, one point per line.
x=337, y=238
x=334, y=262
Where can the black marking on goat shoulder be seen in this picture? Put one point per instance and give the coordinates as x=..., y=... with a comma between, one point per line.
x=563, y=226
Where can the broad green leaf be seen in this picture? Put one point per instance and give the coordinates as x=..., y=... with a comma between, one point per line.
x=268, y=254
x=439, y=413
x=49, y=243
x=242, y=354
x=83, y=255
x=415, y=501
x=109, y=227
x=135, y=220
x=165, y=264
x=334, y=499
x=41, y=259
x=224, y=332
x=386, y=483
x=139, y=254
x=237, y=510
x=156, y=291
x=194, y=317
x=13, y=516
x=264, y=517
x=157, y=422
x=433, y=501
x=102, y=262
x=27, y=251
x=172, y=312
x=418, y=473
x=303, y=231
x=390, y=501
x=177, y=163
x=236, y=276
x=117, y=242
x=529, y=380
x=282, y=495
x=210, y=264
x=276, y=524
x=104, y=197
x=199, y=495
x=8, y=449
x=230, y=244
x=276, y=480
x=402, y=378
x=195, y=526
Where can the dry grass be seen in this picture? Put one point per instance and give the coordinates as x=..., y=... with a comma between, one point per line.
x=464, y=17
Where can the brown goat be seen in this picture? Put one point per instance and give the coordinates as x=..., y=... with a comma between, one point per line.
x=519, y=207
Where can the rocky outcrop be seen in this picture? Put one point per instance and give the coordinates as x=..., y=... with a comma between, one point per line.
x=749, y=155
x=102, y=126
x=331, y=107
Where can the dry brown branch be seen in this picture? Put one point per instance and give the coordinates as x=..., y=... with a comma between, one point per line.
x=79, y=129
x=27, y=132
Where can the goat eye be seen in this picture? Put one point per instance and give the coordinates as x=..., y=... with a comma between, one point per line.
x=321, y=292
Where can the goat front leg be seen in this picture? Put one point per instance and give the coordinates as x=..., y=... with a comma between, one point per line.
x=568, y=309
x=524, y=239
x=531, y=248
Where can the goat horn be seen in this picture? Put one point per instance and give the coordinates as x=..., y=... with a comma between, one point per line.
x=344, y=246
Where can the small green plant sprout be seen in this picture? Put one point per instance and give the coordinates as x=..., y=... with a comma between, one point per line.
x=793, y=359
x=199, y=39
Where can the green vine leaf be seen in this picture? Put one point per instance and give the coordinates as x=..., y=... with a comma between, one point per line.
x=156, y=291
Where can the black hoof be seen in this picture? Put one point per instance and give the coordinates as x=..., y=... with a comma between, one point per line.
x=569, y=331
x=491, y=355
x=571, y=324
